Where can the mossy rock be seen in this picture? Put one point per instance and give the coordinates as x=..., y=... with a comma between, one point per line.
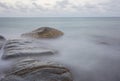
x=44, y=32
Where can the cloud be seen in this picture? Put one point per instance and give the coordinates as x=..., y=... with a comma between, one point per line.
x=62, y=4
x=62, y=7
x=3, y=5
x=20, y=6
x=39, y=7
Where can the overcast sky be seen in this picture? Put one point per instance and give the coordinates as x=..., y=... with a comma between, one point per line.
x=59, y=8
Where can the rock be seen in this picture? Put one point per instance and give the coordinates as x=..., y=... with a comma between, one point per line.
x=24, y=48
x=2, y=40
x=12, y=78
x=35, y=70
x=44, y=32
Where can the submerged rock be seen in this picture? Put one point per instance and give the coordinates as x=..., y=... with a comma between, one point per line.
x=35, y=70
x=44, y=32
x=23, y=48
x=2, y=41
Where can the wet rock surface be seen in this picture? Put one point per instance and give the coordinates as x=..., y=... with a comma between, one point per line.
x=23, y=48
x=2, y=41
x=36, y=70
x=1, y=37
x=44, y=32
x=28, y=68
x=12, y=78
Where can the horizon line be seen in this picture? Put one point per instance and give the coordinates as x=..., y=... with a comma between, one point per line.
x=56, y=17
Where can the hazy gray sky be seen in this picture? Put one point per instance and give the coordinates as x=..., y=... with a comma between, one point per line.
x=65, y=8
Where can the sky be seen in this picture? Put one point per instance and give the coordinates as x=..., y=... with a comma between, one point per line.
x=59, y=8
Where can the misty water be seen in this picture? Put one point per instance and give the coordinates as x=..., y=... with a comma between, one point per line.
x=90, y=47
x=4, y=64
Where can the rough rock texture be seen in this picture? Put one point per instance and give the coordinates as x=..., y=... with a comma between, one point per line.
x=35, y=70
x=12, y=78
x=22, y=48
x=2, y=40
x=44, y=32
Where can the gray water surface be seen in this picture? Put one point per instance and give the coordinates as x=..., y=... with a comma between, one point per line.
x=90, y=47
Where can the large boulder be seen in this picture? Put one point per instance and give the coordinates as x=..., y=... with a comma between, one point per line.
x=2, y=40
x=44, y=32
x=24, y=48
x=35, y=70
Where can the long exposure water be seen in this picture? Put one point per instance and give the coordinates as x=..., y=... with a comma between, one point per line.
x=4, y=65
x=90, y=47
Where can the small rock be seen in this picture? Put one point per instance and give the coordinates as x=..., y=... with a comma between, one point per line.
x=2, y=38
x=2, y=41
x=44, y=32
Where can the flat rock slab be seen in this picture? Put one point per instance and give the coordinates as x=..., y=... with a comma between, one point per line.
x=23, y=48
x=12, y=78
x=35, y=70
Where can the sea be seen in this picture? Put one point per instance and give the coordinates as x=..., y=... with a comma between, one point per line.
x=90, y=46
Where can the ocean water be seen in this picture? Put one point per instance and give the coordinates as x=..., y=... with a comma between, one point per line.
x=90, y=47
